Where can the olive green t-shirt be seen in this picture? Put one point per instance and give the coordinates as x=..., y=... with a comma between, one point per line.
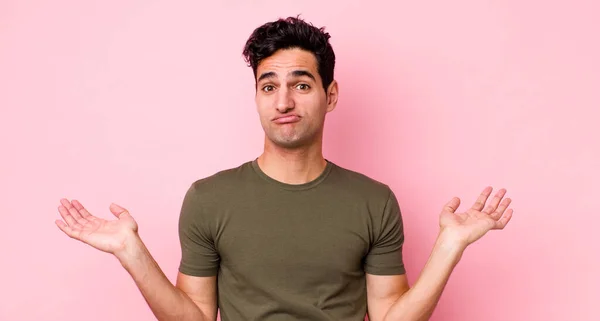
x=290, y=252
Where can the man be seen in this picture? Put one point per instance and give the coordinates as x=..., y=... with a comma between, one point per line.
x=290, y=235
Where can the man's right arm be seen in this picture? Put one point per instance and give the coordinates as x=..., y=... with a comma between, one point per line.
x=193, y=298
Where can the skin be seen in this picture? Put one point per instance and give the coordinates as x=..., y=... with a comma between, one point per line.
x=289, y=85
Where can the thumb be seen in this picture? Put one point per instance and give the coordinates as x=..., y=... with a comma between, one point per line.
x=117, y=210
x=452, y=205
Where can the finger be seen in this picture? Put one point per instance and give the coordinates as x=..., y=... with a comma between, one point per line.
x=452, y=205
x=480, y=202
x=72, y=210
x=117, y=210
x=495, y=201
x=501, y=223
x=66, y=216
x=72, y=223
x=500, y=210
x=67, y=229
x=81, y=209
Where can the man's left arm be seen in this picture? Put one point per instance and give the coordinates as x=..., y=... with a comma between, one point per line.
x=389, y=296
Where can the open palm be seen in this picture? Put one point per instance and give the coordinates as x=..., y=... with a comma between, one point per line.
x=477, y=220
x=105, y=235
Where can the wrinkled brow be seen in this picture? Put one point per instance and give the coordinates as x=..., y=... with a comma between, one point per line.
x=300, y=73
x=295, y=73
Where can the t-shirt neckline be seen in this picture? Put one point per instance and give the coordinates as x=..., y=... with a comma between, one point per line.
x=293, y=187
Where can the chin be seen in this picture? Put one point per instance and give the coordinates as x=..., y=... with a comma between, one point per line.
x=289, y=143
x=292, y=139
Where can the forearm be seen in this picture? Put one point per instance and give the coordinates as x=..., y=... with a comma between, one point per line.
x=418, y=303
x=166, y=301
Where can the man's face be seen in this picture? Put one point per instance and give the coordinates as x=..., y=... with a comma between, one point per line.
x=290, y=98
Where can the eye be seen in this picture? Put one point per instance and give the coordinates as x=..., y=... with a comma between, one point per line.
x=268, y=88
x=303, y=86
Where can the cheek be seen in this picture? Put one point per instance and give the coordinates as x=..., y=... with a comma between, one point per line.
x=315, y=105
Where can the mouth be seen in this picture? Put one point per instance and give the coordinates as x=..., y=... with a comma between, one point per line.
x=286, y=119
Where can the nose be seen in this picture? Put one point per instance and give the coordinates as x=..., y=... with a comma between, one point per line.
x=285, y=101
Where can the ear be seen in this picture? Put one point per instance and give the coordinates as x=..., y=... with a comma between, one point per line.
x=332, y=95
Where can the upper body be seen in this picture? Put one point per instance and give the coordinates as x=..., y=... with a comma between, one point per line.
x=313, y=254
x=291, y=251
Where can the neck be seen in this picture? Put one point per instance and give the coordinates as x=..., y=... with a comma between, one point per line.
x=292, y=166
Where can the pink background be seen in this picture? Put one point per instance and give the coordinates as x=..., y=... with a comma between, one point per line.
x=131, y=101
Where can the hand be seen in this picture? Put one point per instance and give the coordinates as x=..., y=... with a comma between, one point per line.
x=107, y=236
x=466, y=228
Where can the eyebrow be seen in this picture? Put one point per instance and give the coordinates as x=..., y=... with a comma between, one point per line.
x=295, y=73
x=266, y=75
x=300, y=73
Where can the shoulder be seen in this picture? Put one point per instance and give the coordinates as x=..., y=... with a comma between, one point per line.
x=206, y=196
x=360, y=184
x=223, y=182
x=376, y=197
x=222, y=178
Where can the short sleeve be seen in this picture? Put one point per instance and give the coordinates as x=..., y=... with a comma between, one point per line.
x=385, y=254
x=199, y=256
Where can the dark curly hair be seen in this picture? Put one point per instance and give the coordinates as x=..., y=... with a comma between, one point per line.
x=289, y=33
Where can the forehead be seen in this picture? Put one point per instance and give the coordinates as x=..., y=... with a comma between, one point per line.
x=285, y=60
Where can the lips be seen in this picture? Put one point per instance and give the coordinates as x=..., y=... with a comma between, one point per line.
x=287, y=119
